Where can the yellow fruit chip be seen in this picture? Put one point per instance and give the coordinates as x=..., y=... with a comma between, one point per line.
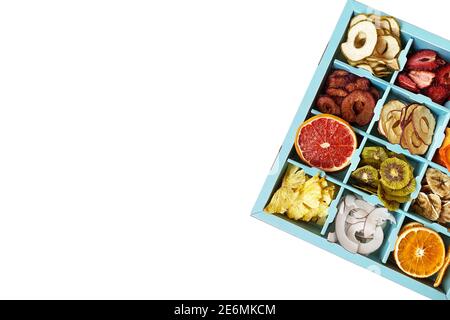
x=281, y=200
x=302, y=198
x=294, y=177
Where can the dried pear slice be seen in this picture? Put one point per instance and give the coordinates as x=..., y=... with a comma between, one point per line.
x=358, y=18
x=381, y=129
x=423, y=206
x=393, y=47
x=361, y=41
x=426, y=189
x=395, y=173
x=406, y=141
x=408, y=113
x=436, y=202
x=424, y=123
x=445, y=213
x=438, y=182
x=393, y=105
x=393, y=128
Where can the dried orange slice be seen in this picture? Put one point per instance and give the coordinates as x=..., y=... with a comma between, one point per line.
x=443, y=270
x=419, y=252
x=410, y=225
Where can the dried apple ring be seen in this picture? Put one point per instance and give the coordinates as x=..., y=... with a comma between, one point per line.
x=358, y=84
x=336, y=92
x=337, y=82
x=361, y=41
x=358, y=107
x=327, y=105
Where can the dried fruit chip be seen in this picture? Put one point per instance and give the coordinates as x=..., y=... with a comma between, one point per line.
x=423, y=60
x=423, y=79
x=281, y=200
x=358, y=107
x=423, y=206
x=366, y=175
x=438, y=93
x=395, y=173
x=302, y=198
x=406, y=191
x=294, y=177
x=443, y=76
x=419, y=252
x=406, y=82
x=438, y=182
x=374, y=156
x=389, y=204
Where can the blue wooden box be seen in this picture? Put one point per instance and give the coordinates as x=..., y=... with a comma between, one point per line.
x=413, y=38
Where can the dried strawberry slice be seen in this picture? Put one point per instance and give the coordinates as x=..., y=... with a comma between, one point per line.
x=406, y=83
x=423, y=79
x=438, y=93
x=443, y=76
x=424, y=60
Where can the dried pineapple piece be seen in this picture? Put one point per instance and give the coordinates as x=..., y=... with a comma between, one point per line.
x=281, y=200
x=294, y=177
x=302, y=198
x=321, y=221
x=297, y=211
x=327, y=195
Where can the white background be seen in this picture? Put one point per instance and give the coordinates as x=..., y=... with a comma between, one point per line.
x=135, y=137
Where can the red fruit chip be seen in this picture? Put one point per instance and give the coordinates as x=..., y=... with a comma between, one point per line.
x=424, y=60
x=438, y=94
x=406, y=83
x=423, y=79
x=443, y=76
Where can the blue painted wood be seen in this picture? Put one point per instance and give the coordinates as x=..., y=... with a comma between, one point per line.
x=413, y=38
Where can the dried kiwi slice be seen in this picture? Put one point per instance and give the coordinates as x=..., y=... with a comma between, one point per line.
x=406, y=191
x=401, y=157
x=374, y=156
x=398, y=199
x=389, y=204
x=367, y=189
x=395, y=173
x=396, y=155
x=367, y=175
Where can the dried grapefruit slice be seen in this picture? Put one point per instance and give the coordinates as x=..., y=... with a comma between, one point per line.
x=419, y=252
x=326, y=142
